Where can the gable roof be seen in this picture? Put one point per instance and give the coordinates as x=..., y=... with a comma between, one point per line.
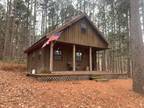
x=67, y=24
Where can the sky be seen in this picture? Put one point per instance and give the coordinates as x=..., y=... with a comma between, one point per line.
x=3, y=2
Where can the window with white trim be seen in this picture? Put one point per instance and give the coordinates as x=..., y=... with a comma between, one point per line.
x=58, y=54
x=79, y=55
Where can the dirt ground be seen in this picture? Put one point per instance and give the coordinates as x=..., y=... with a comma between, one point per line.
x=20, y=91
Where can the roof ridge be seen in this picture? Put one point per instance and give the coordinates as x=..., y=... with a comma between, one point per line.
x=67, y=24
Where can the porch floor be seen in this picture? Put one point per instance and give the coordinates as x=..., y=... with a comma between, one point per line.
x=77, y=73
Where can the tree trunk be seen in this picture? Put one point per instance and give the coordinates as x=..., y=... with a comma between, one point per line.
x=137, y=48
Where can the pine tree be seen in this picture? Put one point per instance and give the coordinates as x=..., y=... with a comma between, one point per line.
x=137, y=47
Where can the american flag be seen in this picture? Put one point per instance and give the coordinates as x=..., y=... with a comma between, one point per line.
x=52, y=38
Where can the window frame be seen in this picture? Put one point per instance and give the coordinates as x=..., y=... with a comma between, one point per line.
x=59, y=55
x=79, y=56
x=83, y=27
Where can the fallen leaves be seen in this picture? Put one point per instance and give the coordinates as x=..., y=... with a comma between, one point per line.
x=20, y=91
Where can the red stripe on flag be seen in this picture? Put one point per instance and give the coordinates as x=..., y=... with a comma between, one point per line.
x=52, y=38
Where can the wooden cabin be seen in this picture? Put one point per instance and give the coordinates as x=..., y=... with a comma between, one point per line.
x=75, y=50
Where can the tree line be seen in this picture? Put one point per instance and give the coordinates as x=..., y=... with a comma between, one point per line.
x=23, y=22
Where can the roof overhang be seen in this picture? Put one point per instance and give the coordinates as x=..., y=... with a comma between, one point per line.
x=39, y=43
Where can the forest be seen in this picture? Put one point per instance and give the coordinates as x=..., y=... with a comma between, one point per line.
x=23, y=22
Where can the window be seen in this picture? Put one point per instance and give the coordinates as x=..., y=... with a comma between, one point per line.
x=58, y=54
x=83, y=27
x=79, y=56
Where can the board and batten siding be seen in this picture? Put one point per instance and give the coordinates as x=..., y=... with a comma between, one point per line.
x=73, y=35
x=39, y=59
x=36, y=60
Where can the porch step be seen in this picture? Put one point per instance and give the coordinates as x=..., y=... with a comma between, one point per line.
x=96, y=77
x=99, y=78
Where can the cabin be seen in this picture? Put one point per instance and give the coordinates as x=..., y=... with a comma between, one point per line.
x=74, y=51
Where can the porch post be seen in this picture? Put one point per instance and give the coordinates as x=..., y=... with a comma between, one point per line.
x=51, y=57
x=90, y=58
x=74, y=62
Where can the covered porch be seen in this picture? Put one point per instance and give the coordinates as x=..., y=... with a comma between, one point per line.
x=66, y=61
x=69, y=57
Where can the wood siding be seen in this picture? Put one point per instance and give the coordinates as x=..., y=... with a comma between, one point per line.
x=35, y=61
x=40, y=59
x=74, y=35
x=62, y=65
x=40, y=62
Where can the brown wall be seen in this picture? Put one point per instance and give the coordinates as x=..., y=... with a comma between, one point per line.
x=61, y=65
x=70, y=35
x=67, y=57
x=41, y=61
x=35, y=61
x=46, y=57
x=74, y=35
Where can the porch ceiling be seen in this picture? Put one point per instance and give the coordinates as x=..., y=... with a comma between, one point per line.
x=59, y=43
